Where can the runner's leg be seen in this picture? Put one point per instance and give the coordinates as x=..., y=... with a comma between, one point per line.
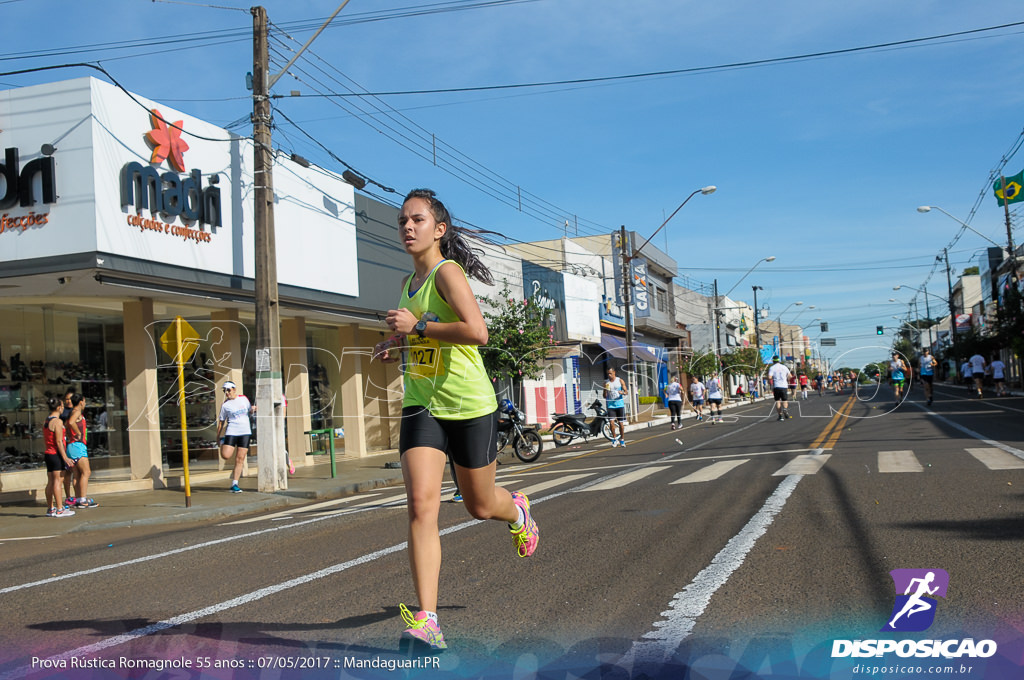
x=423, y=470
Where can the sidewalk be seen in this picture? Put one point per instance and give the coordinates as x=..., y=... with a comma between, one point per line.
x=211, y=500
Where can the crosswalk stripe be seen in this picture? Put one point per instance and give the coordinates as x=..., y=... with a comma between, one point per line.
x=898, y=461
x=628, y=478
x=297, y=510
x=711, y=472
x=806, y=464
x=544, y=486
x=995, y=459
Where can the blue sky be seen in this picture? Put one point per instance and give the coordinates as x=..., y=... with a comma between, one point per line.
x=819, y=162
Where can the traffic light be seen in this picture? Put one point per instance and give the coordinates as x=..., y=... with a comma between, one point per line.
x=879, y=330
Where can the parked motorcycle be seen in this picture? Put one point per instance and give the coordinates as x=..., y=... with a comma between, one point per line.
x=512, y=429
x=569, y=426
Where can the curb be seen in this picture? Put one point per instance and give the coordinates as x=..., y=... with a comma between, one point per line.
x=185, y=515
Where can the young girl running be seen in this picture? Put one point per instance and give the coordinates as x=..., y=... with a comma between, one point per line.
x=449, y=404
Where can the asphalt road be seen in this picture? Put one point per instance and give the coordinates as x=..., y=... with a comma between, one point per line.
x=747, y=542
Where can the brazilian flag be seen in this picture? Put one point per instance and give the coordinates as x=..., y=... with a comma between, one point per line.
x=743, y=321
x=1014, y=185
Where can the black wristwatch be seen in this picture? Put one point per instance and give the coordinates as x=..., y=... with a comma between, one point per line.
x=421, y=327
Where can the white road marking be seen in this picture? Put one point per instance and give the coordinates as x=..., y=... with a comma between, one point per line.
x=625, y=478
x=688, y=604
x=711, y=472
x=667, y=460
x=991, y=442
x=994, y=459
x=269, y=590
x=303, y=509
x=544, y=486
x=898, y=461
x=807, y=464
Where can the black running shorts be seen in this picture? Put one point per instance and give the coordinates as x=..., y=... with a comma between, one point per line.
x=54, y=462
x=780, y=394
x=471, y=443
x=240, y=441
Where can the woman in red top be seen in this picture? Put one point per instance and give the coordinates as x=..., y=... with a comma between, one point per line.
x=56, y=458
x=79, y=455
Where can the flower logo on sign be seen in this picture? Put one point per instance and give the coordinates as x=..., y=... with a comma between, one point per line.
x=166, y=141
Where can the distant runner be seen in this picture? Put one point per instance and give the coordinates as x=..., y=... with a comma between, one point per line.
x=779, y=375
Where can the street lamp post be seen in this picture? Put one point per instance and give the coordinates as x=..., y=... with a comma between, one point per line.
x=717, y=309
x=929, y=208
x=757, y=314
x=770, y=258
x=628, y=283
x=778, y=321
x=927, y=307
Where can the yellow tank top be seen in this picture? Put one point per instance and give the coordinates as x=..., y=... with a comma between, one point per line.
x=446, y=378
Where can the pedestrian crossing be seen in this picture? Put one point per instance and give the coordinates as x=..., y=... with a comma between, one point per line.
x=548, y=478
x=804, y=462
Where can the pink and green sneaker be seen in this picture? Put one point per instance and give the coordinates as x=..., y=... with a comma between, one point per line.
x=422, y=629
x=528, y=536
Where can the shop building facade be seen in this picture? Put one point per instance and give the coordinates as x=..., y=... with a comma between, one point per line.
x=127, y=214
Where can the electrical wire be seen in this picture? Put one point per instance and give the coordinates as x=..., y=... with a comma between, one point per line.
x=696, y=69
x=123, y=89
x=414, y=138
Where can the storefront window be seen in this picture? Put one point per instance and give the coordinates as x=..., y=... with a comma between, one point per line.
x=44, y=352
x=324, y=376
x=216, y=353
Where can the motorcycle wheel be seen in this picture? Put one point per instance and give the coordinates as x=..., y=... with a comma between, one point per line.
x=502, y=440
x=561, y=434
x=606, y=430
x=529, y=446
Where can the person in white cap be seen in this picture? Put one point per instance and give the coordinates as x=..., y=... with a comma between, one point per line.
x=234, y=431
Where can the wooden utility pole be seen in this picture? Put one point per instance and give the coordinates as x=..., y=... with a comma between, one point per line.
x=1009, y=229
x=626, y=254
x=273, y=474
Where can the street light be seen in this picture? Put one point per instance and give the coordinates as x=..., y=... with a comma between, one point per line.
x=927, y=307
x=929, y=208
x=770, y=258
x=778, y=320
x=717, y=309
x=1009, y=250
x=629, y=284
x=909, y=325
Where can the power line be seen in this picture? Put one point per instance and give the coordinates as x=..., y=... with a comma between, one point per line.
x=692, y=70
x=411, y=136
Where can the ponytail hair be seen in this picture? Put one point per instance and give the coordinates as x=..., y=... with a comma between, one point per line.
x=454, y=245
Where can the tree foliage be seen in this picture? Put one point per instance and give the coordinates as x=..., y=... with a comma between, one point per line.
x=743, y=361
x=1009, y=326
x=519, y=333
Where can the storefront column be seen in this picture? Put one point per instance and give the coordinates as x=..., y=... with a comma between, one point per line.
x=296, y=387
x=230, y=348
x=353, y=355
x=141, y=393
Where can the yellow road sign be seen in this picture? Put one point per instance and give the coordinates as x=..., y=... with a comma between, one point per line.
x=189, y=340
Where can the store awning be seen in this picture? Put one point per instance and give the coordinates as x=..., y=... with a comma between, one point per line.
x=617, y=348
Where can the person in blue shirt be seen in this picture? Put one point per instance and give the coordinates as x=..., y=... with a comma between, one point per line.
x=615, y=391
x=926, y=367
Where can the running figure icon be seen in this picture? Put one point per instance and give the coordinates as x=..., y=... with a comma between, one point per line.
x=915, y=609
x=915, y=604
